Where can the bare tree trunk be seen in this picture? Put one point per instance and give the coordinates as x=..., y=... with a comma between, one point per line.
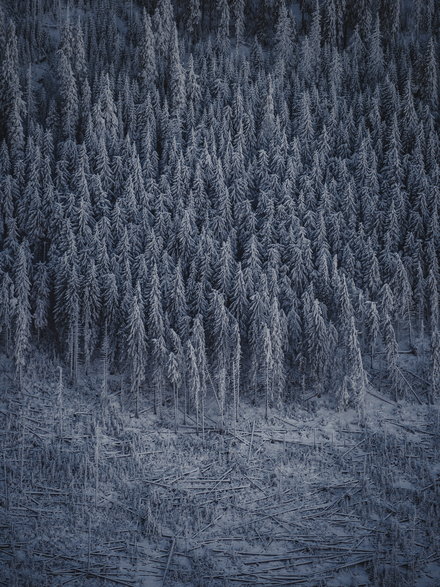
x=60, y=402
x=176, y=405
x=267, y=391
x=104, y=388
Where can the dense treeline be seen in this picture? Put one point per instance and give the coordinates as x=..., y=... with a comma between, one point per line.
x=221, y=197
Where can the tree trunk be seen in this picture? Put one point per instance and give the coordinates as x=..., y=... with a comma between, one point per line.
x=176, y=405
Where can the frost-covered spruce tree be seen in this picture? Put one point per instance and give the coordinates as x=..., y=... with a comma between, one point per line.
x=175, y=371
x=219, y=325
x=283, y=35
x=7, y=309
x=356, y=374
x=147, y=55
x=391, y=357
x=23, y=317
x=258, y=319
x=70, y=309
x=11, y=97
x=199, y=345
x=238, y=19
x=402, y=295
x=435, y=372
x=69, y=101
x=91, y=302
x=372, y=328
x=136, y=342
x=40, y=293
x=432, y=287
x=194, y=18
x=156, y=337
x=236, y=367
x=193, y=382
x=268, y=368
x=316, y=341
x=278, y=333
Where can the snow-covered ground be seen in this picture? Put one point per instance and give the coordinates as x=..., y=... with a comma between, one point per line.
x=92, y=496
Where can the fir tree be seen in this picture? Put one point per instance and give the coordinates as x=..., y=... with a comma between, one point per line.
x=136, y=341
x=23, y=315
x=11, y=99
x=435, y=372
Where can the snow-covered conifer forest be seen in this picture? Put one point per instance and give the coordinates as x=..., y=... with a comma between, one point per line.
x=219, y=293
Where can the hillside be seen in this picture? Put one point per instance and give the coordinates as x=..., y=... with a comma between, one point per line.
x=219, y=282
